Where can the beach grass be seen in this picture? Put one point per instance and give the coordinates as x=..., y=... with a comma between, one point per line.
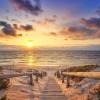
x=3, y=98
x=97, y=91
x=4, y=83
x=98, y=95
x=85, y=68
x=1, y=69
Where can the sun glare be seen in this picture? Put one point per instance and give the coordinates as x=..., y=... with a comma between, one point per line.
x=30, y=44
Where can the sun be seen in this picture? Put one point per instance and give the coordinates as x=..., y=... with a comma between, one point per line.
x=30, y=44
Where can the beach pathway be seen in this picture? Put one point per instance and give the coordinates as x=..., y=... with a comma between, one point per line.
x=52, y=91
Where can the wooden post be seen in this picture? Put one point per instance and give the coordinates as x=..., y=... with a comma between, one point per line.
x=31, y=79
x=58, y=74
x=62, y=78
x=61, y=75
x=55, y=74
x=37, y=77
x=41, y=75
x=67, y=81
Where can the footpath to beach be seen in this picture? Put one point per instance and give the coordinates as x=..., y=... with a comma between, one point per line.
x=52, y=91
x=51, y=86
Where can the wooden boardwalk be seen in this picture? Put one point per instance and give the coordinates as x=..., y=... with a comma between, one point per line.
x=52, y=91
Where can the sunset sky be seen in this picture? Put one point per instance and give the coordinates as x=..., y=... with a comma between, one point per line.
x=50, y=23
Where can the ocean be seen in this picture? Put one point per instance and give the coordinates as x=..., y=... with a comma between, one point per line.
x=50, y=58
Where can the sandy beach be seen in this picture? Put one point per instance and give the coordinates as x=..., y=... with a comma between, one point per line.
x=20, y=87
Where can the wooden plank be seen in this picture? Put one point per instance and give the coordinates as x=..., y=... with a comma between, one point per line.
x=53, y=98
x=4, y=76
x=52, y=91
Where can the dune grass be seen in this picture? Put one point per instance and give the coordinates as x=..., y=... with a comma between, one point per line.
x=4, y=98
x=98, y=95
x=4, y=83
x=85, y=68
x=97, y=91
x=1, y=69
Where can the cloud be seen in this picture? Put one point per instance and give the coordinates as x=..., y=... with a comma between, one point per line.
x=46, y=22
x=8, y=19
x=81, y=30
x=98, y=11
x=79, y=33
x=8, y=29
x=25, y=28
x=15, y=20
x=15, y=26
x=53, y=33
x=50, y=20
x=85, y=29
x=92, y=22
x=27, y=6
x=2, y=23
x=55, y=16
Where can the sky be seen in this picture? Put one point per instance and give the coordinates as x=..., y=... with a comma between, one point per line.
x=50, y=24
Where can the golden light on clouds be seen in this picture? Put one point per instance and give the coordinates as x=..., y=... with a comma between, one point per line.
x=45, y=27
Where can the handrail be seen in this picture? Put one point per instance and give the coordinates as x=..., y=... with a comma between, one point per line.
x=83, y=74
x=62, y=75
x=37, y=74
x=4, y=76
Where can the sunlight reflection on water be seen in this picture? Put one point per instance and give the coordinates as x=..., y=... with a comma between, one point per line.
x=49, y=58
x=31, y=61
x=30, y=58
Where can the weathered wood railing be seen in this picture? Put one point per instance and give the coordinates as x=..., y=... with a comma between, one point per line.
x=67, y=75
x=30, y=74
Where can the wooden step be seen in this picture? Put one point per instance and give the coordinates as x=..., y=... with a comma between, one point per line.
x=53, y=98
x=52, y=91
